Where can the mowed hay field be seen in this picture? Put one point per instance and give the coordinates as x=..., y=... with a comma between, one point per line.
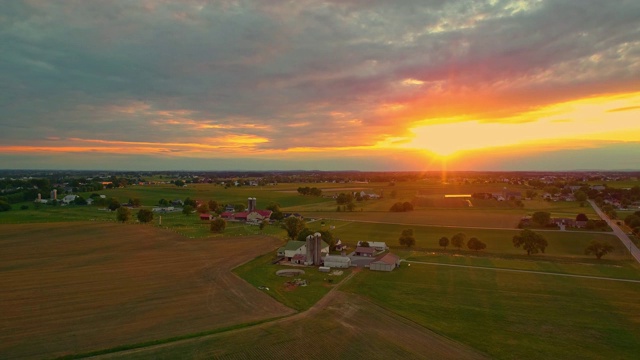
x=341, y=326
x=78, y=287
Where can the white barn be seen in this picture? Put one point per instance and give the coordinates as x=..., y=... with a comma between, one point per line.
x=386, y=263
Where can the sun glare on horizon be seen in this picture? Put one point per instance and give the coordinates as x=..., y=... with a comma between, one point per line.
x=573, y=123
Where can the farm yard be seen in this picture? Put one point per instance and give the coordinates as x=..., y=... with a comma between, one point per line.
x=77, y=287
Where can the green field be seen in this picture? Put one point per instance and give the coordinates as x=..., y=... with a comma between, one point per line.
x=513, y=315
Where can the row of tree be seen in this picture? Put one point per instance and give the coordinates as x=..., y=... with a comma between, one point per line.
x=458, y=240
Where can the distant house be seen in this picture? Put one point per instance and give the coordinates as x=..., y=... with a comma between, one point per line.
x=339, y=245
x=513, y=195
x=564, y=222
x=581, y=220
x=205, y=217
x=377, y=245
x=177, y=202
x=227, y=215
x=337, y=261
x=388, y=262
x=365, y=251
x=69, y=199
x=259, y=216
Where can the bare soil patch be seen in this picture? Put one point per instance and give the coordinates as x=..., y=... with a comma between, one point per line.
x=77, y=287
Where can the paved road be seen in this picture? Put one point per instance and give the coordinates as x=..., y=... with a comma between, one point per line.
x=522, y=271
x=618, y=232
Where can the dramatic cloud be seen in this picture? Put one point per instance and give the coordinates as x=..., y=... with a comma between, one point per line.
x=324, y=81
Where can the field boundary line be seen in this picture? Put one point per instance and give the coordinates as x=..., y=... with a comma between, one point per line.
x=468, y=227
x=522, y=271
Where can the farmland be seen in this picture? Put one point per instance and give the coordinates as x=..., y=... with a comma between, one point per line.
x=511, y=315
x=77, y=287
x=81, y=283
x=343, y=327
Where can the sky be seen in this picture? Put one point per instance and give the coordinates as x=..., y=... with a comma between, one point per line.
x=320, y=85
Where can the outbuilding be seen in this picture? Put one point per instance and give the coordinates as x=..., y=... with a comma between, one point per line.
x=365, y=251
x=388, y=262
x=337, y=261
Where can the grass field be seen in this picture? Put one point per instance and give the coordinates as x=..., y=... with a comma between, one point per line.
x=513, y=315
x=499, y=241
x=77, y=287
x=344, y=327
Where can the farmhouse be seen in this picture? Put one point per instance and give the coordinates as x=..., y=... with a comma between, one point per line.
x=388, y=262
x=205, y=217
x=337, y=261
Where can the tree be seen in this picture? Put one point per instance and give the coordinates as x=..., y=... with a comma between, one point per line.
x=530, y=241
x=190, y=202
x=344, y=199
x=264, y=224
x=145, y=215
x=123, y=214
x=458, y=240
x=203, y=208
x=213, y=205
x=239, y=207
x=113, y=204
x=293, y=226
x=598, y=248
x=187, y=209
x=364, y=244
x=475, y=244
x=541, y=218
x=581, y=196
x=406, y=238
x=135, y=202
x=163, y=202
x=582, y=217
x=351, y=206
x=4, y=206
x=218, y=225
x=276, y=213
x=444, y=242
x=179, y=183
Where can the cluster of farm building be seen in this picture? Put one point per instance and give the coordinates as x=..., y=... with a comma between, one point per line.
x=315, y=252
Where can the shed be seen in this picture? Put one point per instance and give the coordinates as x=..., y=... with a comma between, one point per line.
x=388, y=262
x=365, y=251
x=337, y=261
x=206, y=217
